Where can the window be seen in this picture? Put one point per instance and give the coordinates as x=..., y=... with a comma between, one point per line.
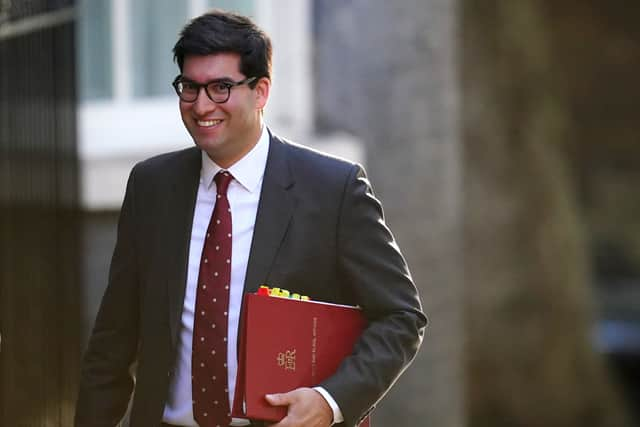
x=156, y=28
x=94, y=41
x=125, y=45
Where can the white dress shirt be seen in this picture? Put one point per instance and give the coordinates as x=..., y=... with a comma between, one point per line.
x=243, y=194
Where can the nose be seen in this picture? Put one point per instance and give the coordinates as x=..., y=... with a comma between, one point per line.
x=203, y=105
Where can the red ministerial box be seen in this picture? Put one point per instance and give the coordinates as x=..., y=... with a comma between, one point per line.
x=286, y=344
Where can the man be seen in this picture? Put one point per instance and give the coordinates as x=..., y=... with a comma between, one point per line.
x=201, y=226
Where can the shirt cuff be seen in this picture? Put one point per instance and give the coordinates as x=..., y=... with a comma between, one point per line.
x=337, y=413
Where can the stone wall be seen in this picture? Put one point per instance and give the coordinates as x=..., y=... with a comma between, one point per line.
x=387, y=72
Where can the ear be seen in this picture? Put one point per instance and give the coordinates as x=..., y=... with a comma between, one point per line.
x=262, y=89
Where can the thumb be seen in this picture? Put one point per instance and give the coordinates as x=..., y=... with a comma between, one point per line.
x=278, y=399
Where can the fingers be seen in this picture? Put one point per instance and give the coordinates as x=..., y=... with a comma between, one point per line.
x=306, y=408
x=279, y=399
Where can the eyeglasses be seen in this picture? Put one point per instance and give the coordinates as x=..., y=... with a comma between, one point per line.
x=218, y=91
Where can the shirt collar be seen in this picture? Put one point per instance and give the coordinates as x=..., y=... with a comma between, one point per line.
x=248, y=171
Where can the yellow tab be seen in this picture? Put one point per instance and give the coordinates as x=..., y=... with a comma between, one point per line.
x=284, y=293
x=304, y=298
x=295, y=296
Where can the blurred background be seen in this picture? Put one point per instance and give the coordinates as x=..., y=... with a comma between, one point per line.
x=502, y=138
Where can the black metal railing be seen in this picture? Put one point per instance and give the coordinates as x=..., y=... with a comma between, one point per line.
x=39, y=227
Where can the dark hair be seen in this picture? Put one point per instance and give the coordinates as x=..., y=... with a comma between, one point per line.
x=219, y=31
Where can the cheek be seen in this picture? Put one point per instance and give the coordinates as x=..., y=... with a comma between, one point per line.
x=241, y=111
x=185, y=113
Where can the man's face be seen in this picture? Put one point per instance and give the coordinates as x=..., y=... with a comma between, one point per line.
x=227, y=131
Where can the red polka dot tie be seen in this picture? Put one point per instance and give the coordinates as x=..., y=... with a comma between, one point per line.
x=209, y=355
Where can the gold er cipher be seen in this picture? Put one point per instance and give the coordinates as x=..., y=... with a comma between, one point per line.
x=287, y=360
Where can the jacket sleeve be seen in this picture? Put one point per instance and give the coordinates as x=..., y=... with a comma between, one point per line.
x=106, y=381
x=372, y=266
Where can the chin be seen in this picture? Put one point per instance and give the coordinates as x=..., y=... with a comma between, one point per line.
x=208, y=143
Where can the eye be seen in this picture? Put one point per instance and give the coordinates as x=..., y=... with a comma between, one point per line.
x=189, y=86
x=219, y=87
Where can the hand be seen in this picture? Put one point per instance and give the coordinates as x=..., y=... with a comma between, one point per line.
x=307, y=408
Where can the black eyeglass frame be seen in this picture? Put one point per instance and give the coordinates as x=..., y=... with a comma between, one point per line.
x=224, y=82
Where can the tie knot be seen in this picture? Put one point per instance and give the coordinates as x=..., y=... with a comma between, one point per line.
x=222, y=179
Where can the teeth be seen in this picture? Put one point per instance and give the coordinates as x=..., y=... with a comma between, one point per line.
x=208, y=123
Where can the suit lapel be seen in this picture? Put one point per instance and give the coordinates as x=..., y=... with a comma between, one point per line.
x=276, y=206
x=275, y=209
x=181, y=206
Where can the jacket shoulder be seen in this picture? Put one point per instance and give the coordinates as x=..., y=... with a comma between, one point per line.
x=170, y=159
x=167, y=167
x=316, y=165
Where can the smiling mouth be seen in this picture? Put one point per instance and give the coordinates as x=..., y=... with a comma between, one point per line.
x=208, y=123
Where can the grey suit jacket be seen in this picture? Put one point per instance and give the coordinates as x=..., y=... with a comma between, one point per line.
x=319, y=230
